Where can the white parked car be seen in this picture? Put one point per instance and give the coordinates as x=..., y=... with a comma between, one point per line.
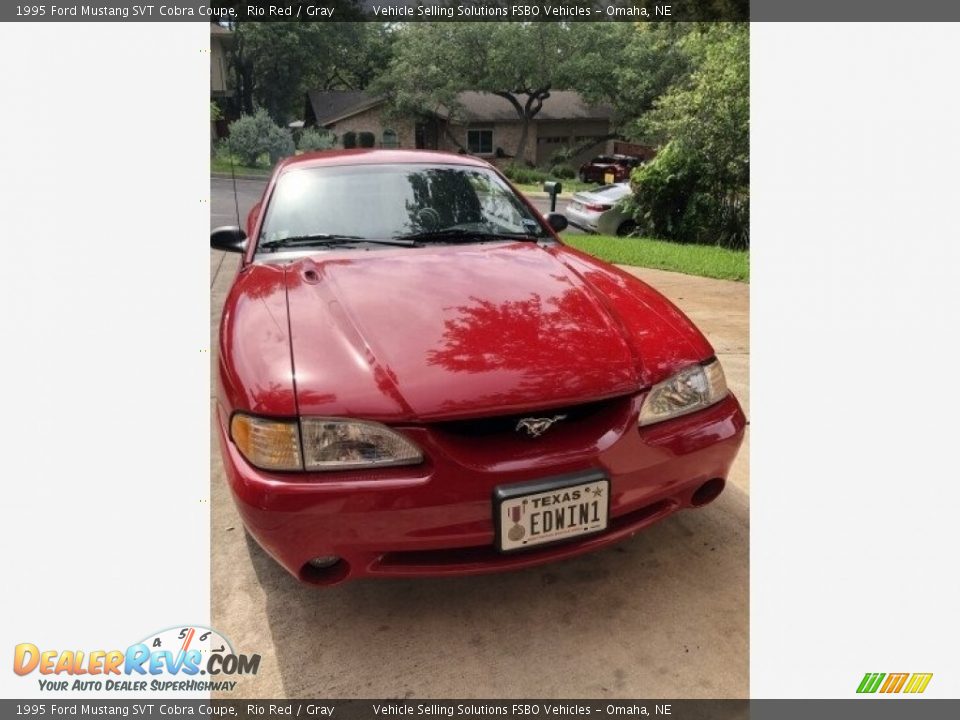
x=599, y=210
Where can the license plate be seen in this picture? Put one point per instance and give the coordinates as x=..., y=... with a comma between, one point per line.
x=552, y=510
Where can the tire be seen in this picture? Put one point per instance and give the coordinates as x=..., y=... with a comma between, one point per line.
x=627, y=227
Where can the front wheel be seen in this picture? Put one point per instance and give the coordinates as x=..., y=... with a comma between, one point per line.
x=626, y=228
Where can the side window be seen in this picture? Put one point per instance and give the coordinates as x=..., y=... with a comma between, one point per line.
x=480, y=141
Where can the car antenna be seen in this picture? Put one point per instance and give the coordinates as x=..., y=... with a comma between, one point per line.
x=236, y=202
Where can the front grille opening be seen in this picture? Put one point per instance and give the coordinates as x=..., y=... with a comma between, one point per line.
x=507, y=424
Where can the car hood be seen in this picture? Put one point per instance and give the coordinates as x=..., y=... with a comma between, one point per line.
x=461, y=331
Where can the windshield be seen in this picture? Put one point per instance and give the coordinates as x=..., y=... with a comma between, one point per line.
x=391, y=201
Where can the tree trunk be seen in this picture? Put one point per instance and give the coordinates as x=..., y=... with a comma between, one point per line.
x=526, y=112
x=452, y=138
x=522, y=142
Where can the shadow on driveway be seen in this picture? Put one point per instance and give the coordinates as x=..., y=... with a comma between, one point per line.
x=663, y=614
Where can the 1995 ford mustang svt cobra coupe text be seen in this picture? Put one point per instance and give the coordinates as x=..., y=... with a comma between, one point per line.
x=417, y=377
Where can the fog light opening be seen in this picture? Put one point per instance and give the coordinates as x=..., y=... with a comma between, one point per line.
x=708, y=492
x=325, y=570
x=323, y=562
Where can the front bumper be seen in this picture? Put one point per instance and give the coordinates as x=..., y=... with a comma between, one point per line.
x=437, y=518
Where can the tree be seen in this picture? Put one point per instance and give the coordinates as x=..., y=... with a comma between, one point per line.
x=650, y=60
x=519, y=62
x=697, y=188
x=277, y=63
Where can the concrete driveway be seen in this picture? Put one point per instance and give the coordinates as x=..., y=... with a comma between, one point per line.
x=662, y=615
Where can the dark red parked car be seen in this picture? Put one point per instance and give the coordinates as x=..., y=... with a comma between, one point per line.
x=608, y=169
x=417, y=377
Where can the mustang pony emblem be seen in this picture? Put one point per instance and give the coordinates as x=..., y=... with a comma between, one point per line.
x=535, y=427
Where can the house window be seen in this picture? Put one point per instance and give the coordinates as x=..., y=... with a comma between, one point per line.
x=389, y=139
x=480, y=142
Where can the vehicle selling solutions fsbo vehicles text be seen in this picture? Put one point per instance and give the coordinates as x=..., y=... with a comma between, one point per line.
x=520, y=10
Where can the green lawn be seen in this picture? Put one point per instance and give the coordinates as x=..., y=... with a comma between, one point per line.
x=220, y=163
x=704, y=260
x=569, y=186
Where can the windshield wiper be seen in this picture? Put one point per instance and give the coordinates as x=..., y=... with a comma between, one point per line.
x=456, y=233
x=329, y=239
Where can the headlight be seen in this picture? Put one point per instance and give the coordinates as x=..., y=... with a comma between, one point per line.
x=331, y=444
x=690, y=389
x=267, y=444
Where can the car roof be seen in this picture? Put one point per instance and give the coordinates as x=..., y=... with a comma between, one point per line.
x=365, y=156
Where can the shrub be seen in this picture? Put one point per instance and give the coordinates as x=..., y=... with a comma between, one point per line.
x=253, y=135
x=670, y=200
x=349, y=139
x=563, y=172
x=523, y=175
x=366, y=140
x=280, y=145
x=562, y=156
x=697, y=189
x=316, y=139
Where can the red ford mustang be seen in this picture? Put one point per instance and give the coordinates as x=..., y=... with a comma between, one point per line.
x=417, y=377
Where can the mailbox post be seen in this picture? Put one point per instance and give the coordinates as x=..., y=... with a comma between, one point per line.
x=553, y=189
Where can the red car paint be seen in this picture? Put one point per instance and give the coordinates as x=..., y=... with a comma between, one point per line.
x=435, y=342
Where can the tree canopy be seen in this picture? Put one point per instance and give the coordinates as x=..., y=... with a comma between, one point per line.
x=697, y=189
x=278, y=63
x=683, y=87
x=520, y=62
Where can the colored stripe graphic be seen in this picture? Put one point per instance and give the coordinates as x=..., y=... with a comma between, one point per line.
x=894, y=682
x=870, y=682
x=918, y=682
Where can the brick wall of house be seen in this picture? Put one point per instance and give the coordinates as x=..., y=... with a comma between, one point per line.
x=506, y=135
x=371, y=121
x=556, y=134
x=543, y=137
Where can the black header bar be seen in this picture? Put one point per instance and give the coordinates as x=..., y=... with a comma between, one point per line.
x=479, y=10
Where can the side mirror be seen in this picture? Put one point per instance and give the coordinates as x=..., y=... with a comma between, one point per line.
x=557, y=221
x=229, y=238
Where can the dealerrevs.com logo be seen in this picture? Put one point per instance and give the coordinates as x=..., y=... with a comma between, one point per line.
x=179, y=659
x=910, y=683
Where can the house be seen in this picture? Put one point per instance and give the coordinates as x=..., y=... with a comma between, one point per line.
x=487, y=126
x=221, y=43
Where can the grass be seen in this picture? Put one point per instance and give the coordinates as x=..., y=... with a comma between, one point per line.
x=220, y=163
x=703, y=260
x=569, y=186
